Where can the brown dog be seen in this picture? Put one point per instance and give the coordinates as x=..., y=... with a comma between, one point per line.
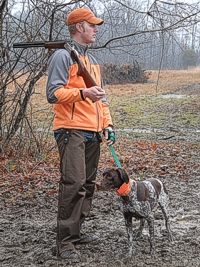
x=139, y=199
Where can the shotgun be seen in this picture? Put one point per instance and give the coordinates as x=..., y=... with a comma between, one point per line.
x=82, y=71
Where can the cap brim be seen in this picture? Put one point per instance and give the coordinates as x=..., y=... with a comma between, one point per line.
x=95, y=21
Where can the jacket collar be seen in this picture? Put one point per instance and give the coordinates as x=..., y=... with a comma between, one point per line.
x=81, y=49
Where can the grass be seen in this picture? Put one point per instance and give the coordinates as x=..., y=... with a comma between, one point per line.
x=148, y=111
x=135, y=106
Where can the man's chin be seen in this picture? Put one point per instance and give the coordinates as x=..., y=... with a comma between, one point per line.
x=91, y=41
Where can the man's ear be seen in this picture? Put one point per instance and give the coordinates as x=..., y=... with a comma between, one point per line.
x=79, y=27
x=123, y=175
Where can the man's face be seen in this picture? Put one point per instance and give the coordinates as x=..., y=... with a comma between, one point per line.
x=88, y=32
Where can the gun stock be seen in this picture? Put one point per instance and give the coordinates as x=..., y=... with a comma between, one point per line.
x=55, y=44
x=82, y=71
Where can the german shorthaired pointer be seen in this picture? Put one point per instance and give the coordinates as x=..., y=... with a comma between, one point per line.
x=139, y=199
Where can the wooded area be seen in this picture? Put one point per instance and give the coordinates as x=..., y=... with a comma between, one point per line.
x=150, y=34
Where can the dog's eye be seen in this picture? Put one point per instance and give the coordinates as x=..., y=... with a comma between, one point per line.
x=111, y=180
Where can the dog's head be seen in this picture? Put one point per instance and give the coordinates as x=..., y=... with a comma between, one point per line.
x=113, y=179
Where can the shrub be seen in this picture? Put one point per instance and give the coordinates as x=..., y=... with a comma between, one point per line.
x=123, y=73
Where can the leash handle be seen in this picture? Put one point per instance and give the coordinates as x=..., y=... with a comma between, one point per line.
x=115, y=156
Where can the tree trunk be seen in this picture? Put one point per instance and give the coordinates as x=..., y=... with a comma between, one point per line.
x=2, y=89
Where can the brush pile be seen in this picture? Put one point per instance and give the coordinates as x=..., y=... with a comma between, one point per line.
x=123, y=73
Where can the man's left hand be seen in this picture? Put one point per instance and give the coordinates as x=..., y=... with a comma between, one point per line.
x=109, y=135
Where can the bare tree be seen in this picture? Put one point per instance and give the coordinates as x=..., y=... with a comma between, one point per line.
x=26, y=21
x=3, y=54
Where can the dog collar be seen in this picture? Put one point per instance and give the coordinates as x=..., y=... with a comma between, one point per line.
x=124, y=189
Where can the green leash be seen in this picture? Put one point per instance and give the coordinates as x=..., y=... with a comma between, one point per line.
x=115, y=157
x=111, y=136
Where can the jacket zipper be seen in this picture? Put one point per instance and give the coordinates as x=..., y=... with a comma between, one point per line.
x=97, y=110
x=97, y=116
x=73, y=107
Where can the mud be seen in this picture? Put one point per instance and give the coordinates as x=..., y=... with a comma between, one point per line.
x=28, y=231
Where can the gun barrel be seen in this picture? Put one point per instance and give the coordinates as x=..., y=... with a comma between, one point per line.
x=26, y=45
x=49, y=45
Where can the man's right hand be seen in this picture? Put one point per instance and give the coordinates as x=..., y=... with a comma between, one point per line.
x=95, y=93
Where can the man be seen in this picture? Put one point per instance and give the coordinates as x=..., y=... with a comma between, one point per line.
x=80, y=115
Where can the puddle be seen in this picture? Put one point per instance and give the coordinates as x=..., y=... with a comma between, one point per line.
x=154, y=130
x=182, y=221
x=173, y=96
x=190, y=217
x=129, y=130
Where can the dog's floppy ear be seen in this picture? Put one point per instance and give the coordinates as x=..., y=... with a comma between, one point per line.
x=108, y=171
x=123, y=175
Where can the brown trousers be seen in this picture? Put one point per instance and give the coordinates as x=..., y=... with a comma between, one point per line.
x=78, y=165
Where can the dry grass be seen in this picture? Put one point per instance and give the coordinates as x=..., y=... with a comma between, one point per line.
x=164, y=82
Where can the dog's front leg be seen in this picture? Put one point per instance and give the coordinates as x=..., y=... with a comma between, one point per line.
x=129, y=229
x=140, y=229
x=150, y=220
x=164, y=210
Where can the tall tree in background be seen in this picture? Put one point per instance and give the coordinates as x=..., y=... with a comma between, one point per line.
x=3, y=54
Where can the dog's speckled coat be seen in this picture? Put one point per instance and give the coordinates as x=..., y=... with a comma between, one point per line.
x=139, y=203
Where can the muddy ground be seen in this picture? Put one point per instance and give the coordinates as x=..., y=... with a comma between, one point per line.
x=28, y=232
x=28, y=228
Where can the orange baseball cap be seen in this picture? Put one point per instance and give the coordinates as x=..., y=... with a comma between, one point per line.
x=81, y=14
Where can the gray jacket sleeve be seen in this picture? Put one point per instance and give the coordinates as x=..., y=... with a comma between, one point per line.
x=58, y=73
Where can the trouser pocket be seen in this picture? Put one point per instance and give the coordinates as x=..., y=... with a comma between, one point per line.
x=99, y=137
x=65, y=133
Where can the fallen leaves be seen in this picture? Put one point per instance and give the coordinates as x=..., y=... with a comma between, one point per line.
x=144, y=158
x=27, y=178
